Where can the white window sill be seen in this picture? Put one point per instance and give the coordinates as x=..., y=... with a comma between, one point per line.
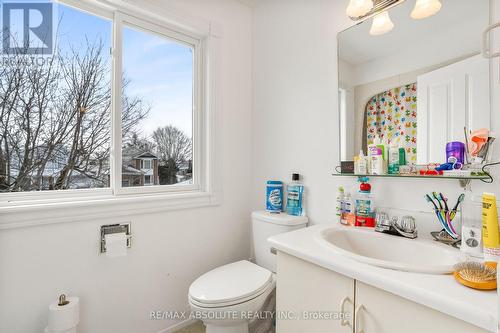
x=43, y=212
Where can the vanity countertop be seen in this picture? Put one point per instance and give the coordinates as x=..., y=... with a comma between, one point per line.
x=439, y=292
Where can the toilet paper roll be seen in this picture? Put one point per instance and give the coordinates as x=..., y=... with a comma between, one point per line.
x=116, y=245
x=63, y=318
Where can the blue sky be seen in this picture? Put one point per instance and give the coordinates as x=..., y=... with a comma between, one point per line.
x=159, y=70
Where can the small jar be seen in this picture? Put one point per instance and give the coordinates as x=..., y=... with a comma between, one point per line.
x=455, y=149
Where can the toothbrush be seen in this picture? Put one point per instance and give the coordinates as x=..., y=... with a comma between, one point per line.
x=446, y=214
x=429, y=199
x=454, y=210
x=441, y=210
x=448, y=220
x=444, y=201
x=439, y=216
x=446, y=226
x=435, y=195
x=436, y=209
x=467, y=152
x=459, y=201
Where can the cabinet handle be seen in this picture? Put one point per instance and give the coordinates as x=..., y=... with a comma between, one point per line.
x=344, y=322
x=356, y=318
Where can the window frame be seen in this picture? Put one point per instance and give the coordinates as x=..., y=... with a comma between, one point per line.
x=206, y=187
x=122, y=20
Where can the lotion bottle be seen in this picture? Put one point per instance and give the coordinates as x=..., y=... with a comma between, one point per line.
x=376, y=162
x=362, y=165
x=402, y=154
x=393, y=159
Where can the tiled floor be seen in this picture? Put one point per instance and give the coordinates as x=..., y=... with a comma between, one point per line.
x=197, y=327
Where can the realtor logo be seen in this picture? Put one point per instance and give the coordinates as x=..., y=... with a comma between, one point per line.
x=27, y=28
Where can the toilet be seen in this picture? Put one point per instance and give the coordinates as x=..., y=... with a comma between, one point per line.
x=227, y=298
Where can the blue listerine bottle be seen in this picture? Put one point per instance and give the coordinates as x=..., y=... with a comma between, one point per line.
x=295, y=192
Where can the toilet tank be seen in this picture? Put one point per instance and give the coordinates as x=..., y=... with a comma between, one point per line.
x=265, y=225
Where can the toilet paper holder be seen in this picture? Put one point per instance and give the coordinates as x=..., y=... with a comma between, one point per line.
x=114, y=229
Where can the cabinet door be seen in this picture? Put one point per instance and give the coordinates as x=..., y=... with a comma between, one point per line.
x=378, y=311
x=309, y=298
x=450, y=98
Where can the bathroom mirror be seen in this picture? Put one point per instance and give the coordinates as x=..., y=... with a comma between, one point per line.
x=417, y=85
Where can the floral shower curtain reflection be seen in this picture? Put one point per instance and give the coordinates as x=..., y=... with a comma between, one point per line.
x=392, y=116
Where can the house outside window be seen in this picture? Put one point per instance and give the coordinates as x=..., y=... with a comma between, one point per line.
x=139, y=167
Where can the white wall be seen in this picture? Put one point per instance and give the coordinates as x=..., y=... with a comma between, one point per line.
x=169, y=249
x=295, y=120
x=346, y=82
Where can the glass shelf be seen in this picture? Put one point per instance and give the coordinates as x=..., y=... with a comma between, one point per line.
x=464, y=178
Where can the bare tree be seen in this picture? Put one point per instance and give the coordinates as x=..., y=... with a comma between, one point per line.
x=139, y=143
x=26, y=95
x=172, y=144
x=89, y=94
x=174, y=148
x=59, y=114
x=86, y=101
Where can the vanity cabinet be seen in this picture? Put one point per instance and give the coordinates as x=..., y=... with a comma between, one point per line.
x=378, y=311
x=304, y=289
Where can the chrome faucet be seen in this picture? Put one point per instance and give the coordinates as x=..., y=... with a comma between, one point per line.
x=406, y=228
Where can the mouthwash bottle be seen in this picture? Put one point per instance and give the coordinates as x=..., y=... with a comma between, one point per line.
x=295, y=192
x=365, y=207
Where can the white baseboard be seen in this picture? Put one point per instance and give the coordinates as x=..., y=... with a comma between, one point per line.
x=178, y=326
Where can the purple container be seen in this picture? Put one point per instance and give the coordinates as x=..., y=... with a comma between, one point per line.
x=457, y=150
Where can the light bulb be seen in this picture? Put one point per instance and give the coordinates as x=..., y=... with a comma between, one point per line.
x=381, y=24
x=358, y=8
x=425, y=8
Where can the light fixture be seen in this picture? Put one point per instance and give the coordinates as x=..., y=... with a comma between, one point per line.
x=425, y=8
x=358, y=8
x=381, y=24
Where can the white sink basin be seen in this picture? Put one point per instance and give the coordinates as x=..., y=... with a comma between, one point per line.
x=378, y=249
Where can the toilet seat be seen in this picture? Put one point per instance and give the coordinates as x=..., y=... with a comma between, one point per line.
x=230, y=284
x=269, y=288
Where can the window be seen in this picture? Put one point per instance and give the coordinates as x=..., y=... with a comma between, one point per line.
x=146, y=164
x=55, y=114
x=158, y=104
x=115, y=120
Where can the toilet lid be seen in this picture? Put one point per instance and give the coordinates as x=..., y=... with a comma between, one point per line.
x=230, y=283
